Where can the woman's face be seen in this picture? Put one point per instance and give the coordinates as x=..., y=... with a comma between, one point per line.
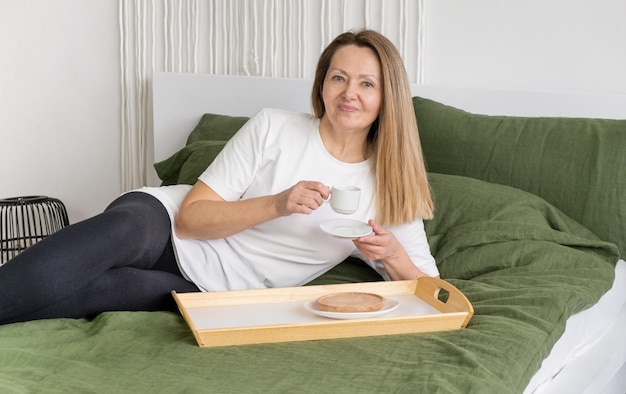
x=352, y=89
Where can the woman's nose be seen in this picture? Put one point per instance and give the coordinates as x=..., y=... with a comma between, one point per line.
x=350, y=91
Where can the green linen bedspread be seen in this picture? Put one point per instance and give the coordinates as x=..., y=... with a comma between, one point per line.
x=524, y=265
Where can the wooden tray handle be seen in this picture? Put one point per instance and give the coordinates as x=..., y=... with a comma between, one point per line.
x=429, y=289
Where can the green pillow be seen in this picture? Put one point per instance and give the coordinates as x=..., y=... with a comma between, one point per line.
x=576, y=164
x=205, y=141
x=214, y=127
x=199, y=160
x=186, y=165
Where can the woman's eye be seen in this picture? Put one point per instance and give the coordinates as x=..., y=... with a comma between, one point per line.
x=368, y=84
x=338, y=78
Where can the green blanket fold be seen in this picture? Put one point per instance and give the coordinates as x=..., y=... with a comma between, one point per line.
x=524, y=265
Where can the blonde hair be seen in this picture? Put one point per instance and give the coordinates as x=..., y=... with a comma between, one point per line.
x=402, y=190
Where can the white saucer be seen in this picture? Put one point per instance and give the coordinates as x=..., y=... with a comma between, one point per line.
x=390, y=305
x=346, y=228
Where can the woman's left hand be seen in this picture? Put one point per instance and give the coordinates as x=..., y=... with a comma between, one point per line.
x=382, y=245
x=385, y=247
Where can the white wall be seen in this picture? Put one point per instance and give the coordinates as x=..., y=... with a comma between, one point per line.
x=60, y=94
x=59, y=102
x=562, y=45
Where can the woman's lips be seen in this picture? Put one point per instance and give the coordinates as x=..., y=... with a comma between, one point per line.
x=347, y=108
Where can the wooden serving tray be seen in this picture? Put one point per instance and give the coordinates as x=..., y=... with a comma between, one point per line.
x=279, y=315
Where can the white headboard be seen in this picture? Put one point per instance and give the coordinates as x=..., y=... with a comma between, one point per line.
x=180, y=99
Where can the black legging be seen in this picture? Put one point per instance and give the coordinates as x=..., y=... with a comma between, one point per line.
x=119, y=260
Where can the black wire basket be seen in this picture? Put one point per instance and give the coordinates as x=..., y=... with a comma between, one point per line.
x=27, y=220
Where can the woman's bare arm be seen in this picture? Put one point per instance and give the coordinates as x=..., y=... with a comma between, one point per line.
x=204, y=214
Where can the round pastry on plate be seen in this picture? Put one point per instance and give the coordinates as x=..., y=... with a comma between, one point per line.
x=350, y=302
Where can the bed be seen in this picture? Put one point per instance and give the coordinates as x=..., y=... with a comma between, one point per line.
x=530, y=194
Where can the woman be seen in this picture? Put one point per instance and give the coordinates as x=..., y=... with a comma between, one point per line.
x=252, y=219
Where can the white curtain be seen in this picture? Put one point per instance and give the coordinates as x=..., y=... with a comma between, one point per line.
x=156, y=35
x=274, y=38
x=283, y=38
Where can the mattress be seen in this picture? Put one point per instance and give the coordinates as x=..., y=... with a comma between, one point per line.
x=591, y=353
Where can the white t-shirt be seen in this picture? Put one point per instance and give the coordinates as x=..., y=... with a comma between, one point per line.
x=272, y=152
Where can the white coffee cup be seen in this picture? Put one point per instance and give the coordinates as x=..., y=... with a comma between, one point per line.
x=345, y=199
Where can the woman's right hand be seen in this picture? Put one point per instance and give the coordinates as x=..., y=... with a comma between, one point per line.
x=304, y=197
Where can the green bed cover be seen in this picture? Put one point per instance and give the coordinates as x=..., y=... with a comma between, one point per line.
x=524, y=265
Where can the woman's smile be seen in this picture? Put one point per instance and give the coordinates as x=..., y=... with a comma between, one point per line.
x=347, y=108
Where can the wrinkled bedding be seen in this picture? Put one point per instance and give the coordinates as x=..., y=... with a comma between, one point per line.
x=524, y=265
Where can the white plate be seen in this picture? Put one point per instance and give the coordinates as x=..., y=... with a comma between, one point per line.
x=390, y=305
x=346, y=228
